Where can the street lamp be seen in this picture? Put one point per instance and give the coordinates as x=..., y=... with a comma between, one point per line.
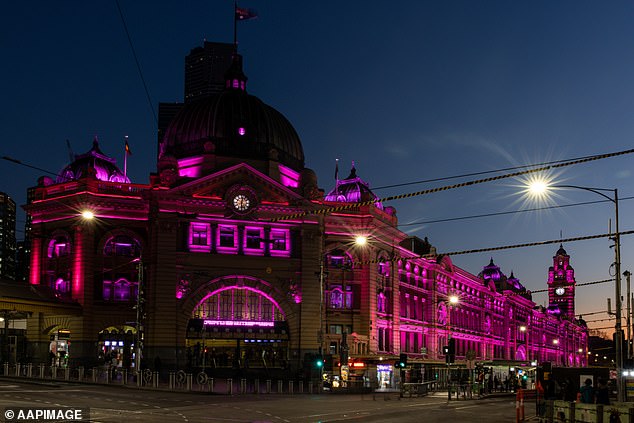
x=556, y=344
x=452, y=300
x=539, y=188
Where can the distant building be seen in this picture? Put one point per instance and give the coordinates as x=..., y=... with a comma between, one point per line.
x=205, y=69
x=7, y=237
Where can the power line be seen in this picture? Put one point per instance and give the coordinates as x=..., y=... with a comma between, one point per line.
x=466, y=175
x=328, y=210
x=453, y=219
x=136, y=60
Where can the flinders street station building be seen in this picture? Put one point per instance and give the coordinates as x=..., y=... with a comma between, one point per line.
x=233, y=257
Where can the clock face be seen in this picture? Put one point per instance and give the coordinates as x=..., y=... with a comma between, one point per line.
x=241, y=202
x=560, y=291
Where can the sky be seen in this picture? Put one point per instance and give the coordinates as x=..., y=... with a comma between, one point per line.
x=409, y=91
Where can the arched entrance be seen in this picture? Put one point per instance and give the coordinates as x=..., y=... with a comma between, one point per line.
x=59, y=346
x=237, y=326
x=115, y=346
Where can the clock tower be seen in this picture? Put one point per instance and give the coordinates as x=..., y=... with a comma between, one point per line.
x=561, y=284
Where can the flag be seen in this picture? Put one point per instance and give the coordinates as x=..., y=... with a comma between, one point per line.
x=243, y=14
x=336, y=169
x=127, y=147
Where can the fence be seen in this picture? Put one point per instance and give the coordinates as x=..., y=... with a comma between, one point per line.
x=177, y=381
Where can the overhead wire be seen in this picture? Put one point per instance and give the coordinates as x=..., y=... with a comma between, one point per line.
x=349, y=206
x=485, y=172
x=136, y=60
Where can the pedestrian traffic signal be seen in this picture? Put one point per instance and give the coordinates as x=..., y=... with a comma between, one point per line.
x=452, y=346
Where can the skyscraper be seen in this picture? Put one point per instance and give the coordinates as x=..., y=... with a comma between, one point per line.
x=7, y=236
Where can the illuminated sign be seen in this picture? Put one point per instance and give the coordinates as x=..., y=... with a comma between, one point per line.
x=384, y=367
x=246, y=323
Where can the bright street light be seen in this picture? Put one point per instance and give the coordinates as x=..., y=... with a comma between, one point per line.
x=361, y=240
x=540, y=188
x=87, y=214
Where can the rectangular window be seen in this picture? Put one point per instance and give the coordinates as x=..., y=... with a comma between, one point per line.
x=227, y=237
x=253, y=241
x=199, y=237
x=280, y=245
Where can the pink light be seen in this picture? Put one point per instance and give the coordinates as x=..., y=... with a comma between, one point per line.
x=289, y=177
x=242, y=131
x=238, y=323
x=35, y=261
x=190, y=167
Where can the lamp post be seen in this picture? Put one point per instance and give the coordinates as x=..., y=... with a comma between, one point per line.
x=525, y=336
x=451, y=301
x=541, y=187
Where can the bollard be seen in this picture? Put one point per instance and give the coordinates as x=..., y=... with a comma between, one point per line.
x=42, y=369
x=155, y=380
x=243, y=386
x=17, y=369
x=29, y=370
x=268, y=386
x=67, y=373
x=300, y=383
x=54, y=372
x=279, y=386
x=290, y=387
x=256, y=386
x=94, y=375
x=230, y=386
x=139, y=378
x=6, y=369
x=310, y=387
x=124, y=376
x=81, y=374
x=171, y=381
x=189, y=381
x=211, y=385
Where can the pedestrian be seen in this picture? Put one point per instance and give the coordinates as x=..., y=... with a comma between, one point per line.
x=587, y=392
x=602, y=394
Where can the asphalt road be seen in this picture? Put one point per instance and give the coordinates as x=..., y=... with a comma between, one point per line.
x=129, y=404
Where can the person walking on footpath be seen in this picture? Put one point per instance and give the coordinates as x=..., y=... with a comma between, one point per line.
x=587, y=392
x=602, y=393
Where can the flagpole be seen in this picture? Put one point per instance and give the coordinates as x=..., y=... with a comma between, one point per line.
x=235, y=26
x=125, y=158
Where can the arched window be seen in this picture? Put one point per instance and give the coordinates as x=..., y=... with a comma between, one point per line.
x=59, y=246
x=121, y=290
x=122, y=246
x=239, y=303
x=338, y=259
x=122, y=255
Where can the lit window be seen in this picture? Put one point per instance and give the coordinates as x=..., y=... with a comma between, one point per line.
x=253, y=238
x=199, y=239
x=227, y=236
x=58, y=247
x=280, y=242
x=340, y=300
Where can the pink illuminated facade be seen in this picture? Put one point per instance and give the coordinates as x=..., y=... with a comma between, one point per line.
x=230, y=272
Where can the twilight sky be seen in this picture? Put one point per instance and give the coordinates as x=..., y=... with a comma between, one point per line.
x=410, y=91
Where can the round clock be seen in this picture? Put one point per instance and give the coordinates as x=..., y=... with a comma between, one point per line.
x=560, y=291
x=241, y=202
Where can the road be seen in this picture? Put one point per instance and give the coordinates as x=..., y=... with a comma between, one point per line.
x=129, y=404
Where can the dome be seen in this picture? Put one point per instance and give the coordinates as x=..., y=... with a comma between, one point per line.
x=232, y=123
x=92, y=162
x=561, y=251
x=353, y=190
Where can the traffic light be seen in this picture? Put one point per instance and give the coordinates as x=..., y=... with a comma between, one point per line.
x=402, y=361
x=452, y=346
x=319, y=361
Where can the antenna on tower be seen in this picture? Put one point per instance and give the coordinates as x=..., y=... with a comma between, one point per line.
x=70, y=151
